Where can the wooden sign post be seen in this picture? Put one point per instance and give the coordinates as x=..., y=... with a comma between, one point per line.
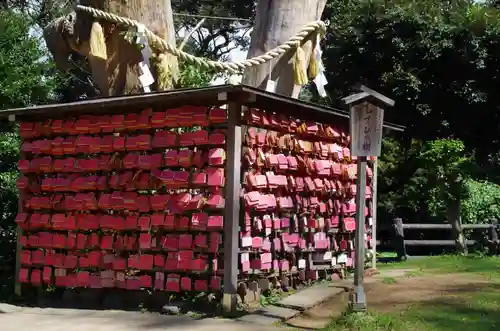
x=366, y=120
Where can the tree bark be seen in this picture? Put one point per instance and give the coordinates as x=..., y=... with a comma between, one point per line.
x=455, y=219
x=276, y=21
x=399, y=238
x=120, y=72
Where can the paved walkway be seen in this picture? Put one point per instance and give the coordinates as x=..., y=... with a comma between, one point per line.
x=14, y=318
x=87, y=320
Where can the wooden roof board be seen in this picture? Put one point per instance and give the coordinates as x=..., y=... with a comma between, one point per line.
x=247, y=95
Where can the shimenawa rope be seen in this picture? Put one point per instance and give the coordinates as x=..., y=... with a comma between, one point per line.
x=233, y=66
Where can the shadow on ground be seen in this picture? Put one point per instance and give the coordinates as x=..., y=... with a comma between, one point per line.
x=131, y=319
x=451, y=301
x=122, y=300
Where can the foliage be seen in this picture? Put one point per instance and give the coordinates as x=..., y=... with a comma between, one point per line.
x=217, y=37
x=417, y=180
x=444, y=165
x=192, y=76
x=437, y=59
x=24, y=81
x=483, y=202
x=41, y=12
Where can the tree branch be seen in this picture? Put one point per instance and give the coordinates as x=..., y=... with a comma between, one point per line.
x=190, y=33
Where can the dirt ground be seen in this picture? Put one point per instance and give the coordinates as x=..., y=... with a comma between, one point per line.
x=384, y=296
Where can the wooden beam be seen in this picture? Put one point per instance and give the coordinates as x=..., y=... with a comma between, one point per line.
x=420, y=226
x=232, y=210
x=19, y=233
x=432, y=242
x=253, y=97
x=435, y=242
x=374, y=203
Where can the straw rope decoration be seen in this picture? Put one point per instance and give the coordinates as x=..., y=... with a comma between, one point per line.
x=294, y=43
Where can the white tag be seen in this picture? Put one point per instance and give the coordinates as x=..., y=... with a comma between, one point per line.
x=334, y=261
x=267, y=231
x=301, y=264
x=271, y=86
x=141, y=28
x=327, y=256
x=370, y=221
x=222, y=96
x=246, y=241
x=146, y=78
x=233, y=80
x=244, y=257
x=342, y=258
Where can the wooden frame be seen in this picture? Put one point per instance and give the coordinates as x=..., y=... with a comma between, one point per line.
x=247, y=95
x=235, y=97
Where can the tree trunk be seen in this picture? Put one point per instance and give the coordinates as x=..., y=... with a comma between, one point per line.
x=276, y=21
x=399, y=238
x=455, y=219
x=120, y=72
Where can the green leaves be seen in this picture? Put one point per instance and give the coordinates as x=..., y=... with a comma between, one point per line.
x=25, y=80
x=24, y=67
x=437, y=59
x=192, y=76
x=419, y=178
x=483, y=202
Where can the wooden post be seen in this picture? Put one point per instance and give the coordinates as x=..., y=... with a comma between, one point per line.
x=455, y=219
x=374, y=213
x=17, y=287
x=493, y=236
x=399, y=238
x=366, y=113
x=358, y=302
x=232, y=210
x=19, y=233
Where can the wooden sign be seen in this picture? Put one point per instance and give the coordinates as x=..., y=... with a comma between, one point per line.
x=366, y=129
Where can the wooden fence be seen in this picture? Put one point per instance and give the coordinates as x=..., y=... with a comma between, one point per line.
x=397, y=241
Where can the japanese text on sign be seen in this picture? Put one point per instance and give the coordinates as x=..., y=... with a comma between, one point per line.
x=366, y=130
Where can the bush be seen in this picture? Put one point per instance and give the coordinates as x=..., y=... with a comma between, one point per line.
x=419, y=178
x=25, y=80
x=482, y=203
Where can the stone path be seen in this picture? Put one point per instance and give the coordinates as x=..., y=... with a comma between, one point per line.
x=14, y=318
x=88, y=320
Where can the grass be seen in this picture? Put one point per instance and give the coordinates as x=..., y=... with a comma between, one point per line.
x=471, y=264
x=474, y=311
x=389, y=280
